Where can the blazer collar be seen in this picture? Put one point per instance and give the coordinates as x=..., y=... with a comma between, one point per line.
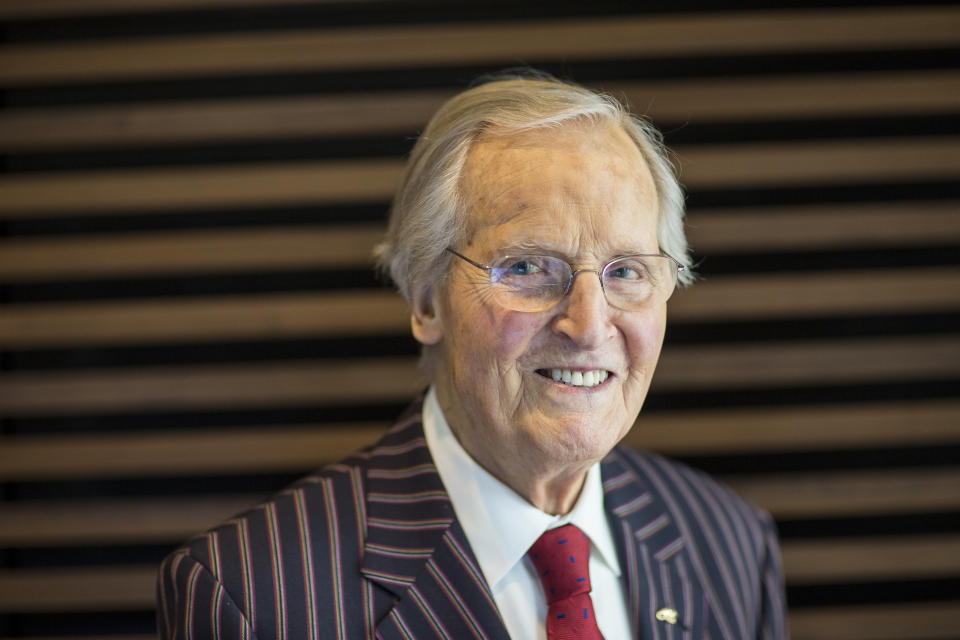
x=416, y=548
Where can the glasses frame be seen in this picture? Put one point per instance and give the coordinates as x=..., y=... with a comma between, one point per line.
x=574, y=272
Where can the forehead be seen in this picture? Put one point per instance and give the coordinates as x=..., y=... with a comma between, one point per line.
x=581, y=186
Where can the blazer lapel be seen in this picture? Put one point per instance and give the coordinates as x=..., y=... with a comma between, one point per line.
x=664, y=596
x=416, y=549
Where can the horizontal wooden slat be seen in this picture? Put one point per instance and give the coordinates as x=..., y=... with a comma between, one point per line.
x=867, y=559
x=216, y=120
x=128, y=191
x=741, y=165
x=137, y=254
x=784, y=164
x=158, y=253
x=481, y=43
x=268, y=384
x=891, y=621
x=269, y=448
x=849, y=493
x=814, y=362
x=279, y=384
x=800, y=428
x=223, y=318
x=162, y=520
x=794, y=96
x=806, y=295
x=78, y=589
x=891, y=93
x=274, y=448
x=821, y=227
x=115, y=521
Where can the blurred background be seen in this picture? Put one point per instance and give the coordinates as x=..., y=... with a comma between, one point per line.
x=191, y=190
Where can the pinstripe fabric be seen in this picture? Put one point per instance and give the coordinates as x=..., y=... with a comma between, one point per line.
x=371, y=548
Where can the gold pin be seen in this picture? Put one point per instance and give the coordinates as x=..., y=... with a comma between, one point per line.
x=667, y=615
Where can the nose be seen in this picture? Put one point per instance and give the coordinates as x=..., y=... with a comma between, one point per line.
x=584, y=315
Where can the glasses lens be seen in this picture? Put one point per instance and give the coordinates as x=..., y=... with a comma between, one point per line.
x=634, y=281
x=529, y=283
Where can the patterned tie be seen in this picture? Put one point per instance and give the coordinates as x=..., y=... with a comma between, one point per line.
x=562, y=559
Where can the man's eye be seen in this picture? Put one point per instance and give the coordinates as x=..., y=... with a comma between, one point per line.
x=625, y=273
x=523, y=268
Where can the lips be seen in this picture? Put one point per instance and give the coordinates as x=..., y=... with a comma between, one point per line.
x=576, y=377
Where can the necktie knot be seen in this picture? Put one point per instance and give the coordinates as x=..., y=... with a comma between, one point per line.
x=561, y=558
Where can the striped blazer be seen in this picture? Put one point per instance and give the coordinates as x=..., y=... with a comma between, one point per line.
x=371, y=548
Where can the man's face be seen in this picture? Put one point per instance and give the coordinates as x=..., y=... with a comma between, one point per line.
x=584, y=193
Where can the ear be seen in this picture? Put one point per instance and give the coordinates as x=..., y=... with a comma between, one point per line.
x=425, y=320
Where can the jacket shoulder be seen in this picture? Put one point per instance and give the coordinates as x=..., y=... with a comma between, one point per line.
x=258, y=569
x=268, y=559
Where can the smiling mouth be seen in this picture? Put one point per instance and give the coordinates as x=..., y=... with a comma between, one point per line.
x=576, y=378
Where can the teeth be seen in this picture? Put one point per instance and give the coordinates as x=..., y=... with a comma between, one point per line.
x=580, y=378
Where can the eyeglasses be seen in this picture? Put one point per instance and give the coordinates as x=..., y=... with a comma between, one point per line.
x=536, y=283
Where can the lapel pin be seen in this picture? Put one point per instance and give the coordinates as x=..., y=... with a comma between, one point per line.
x=667, y=615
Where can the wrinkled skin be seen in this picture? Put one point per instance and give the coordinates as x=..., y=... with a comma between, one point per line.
x=581, y=191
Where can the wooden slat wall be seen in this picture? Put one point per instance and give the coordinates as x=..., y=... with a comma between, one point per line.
x=191, y=192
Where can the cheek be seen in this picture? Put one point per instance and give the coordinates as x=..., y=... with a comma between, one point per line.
x=515, y=331
x=500, y=354
x=491, y=340
x=644, y=340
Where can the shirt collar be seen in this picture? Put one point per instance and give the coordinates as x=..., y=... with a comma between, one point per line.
x=500, y=524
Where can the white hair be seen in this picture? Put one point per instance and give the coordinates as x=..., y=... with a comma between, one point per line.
x=428, y=213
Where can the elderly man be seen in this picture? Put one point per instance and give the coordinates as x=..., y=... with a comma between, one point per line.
x=537, y=235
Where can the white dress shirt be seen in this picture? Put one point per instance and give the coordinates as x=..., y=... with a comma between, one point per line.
x=501, y=526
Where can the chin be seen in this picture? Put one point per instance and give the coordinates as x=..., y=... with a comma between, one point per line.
x=579, y=439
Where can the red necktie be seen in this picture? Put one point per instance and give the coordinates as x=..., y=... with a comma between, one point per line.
x=562, y=559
